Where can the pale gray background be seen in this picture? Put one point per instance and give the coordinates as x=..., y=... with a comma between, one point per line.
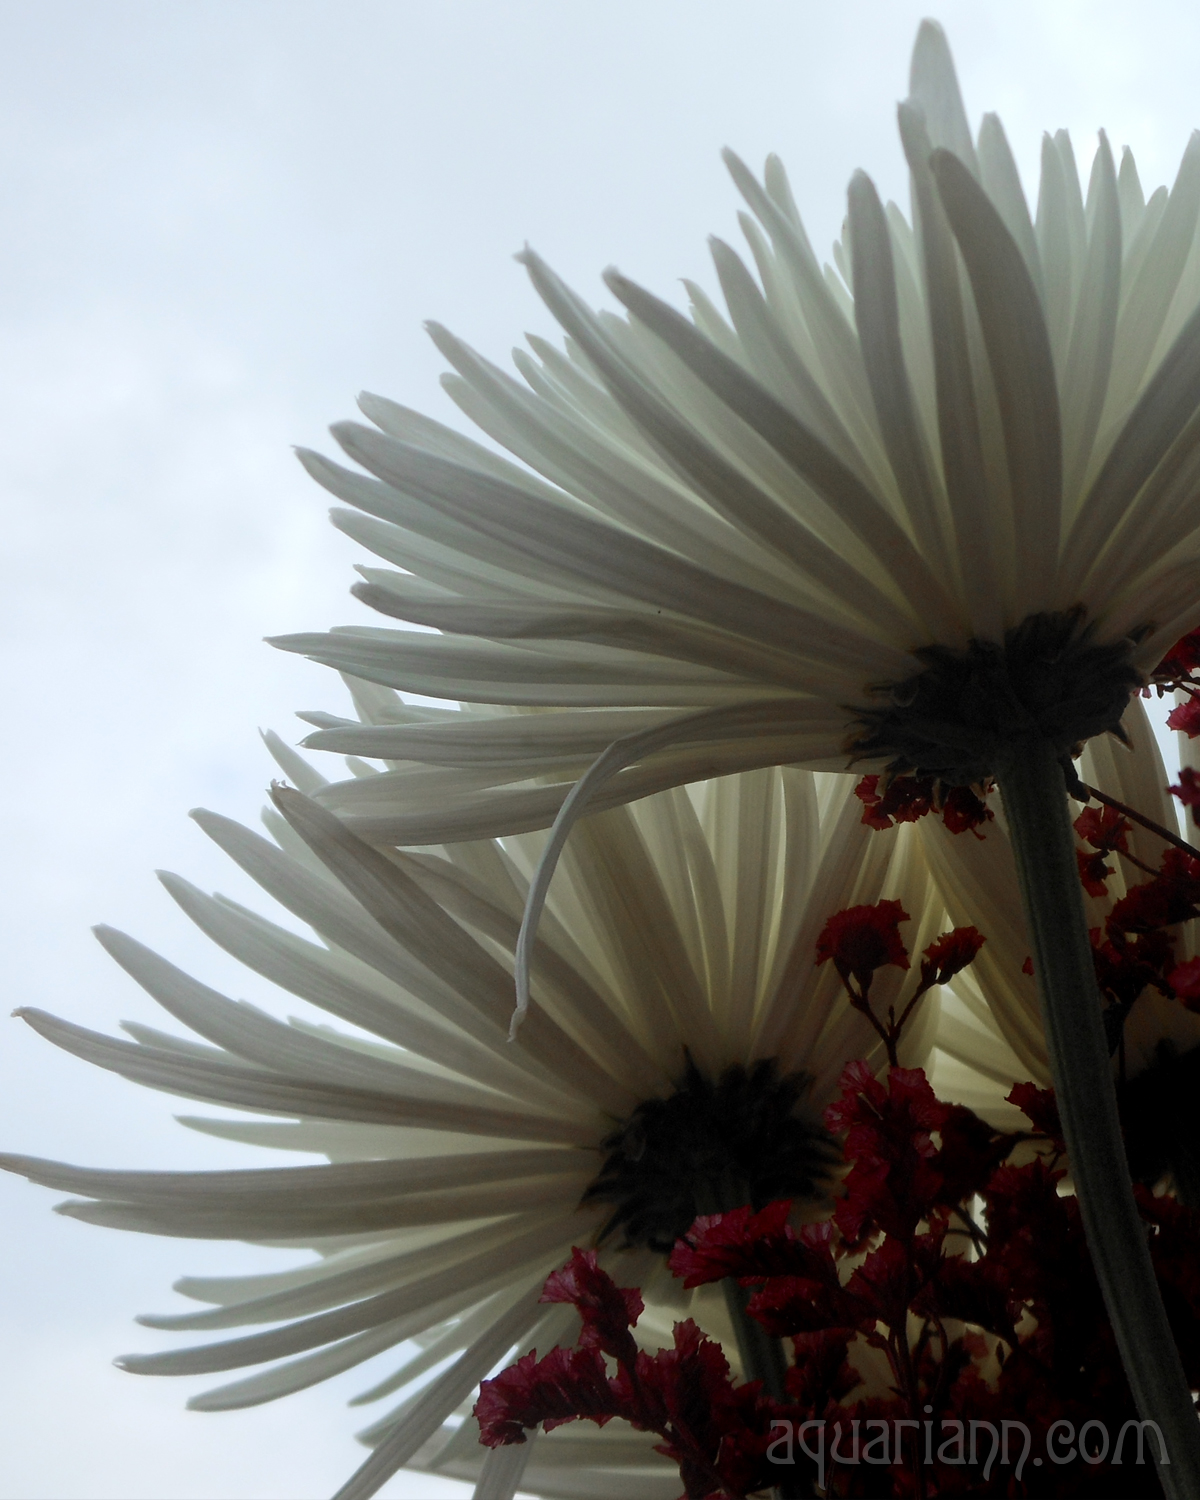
x=222, y=220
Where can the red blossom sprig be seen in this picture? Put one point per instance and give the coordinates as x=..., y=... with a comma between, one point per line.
x=1185, y=718
x=904, y=799
x=1014, y=1332
x=1184, y=980
x=1177, y=673
x=1187, y=789
x=718, y=1432
x=1107, y=830
x=1135, y=949
x=606, y=1310
x=863, y=939
x=1174, y=672
x=1040, y=1107
x=949, y=954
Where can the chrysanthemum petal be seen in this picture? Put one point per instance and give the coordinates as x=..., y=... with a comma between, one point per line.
x=1022, y=367
x=1084, y=381
x=315, y=974
x=563, y=535
x=963, y=467
x=425, y=930
x=1151, y=286
x=933, y=84
x=847, y=496
x=878, y=322
x=1002, y=183
x=503, y=1469
x=1163, y=412
x=494, y=738
x=439, y=1399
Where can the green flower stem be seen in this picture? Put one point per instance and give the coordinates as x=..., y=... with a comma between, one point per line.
x=762, y=1359
x=762, y=1356
x=1035, y=802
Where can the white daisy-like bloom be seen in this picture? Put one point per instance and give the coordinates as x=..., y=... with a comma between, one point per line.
x=681, y=1034
x=990, y=1032
x=719, y=533
x=935, y=510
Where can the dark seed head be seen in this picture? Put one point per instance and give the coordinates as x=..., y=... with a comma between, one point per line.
x=955, y=720
x=708, y=1147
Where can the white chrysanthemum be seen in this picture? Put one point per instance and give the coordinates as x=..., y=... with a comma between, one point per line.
x=458, y=1162
x=990, y=1031
x=728, y=528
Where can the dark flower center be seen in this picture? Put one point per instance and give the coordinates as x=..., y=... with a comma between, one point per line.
x=956, y=720
x=710, y=1147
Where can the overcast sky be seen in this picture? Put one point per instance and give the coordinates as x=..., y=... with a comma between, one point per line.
x=222, y=221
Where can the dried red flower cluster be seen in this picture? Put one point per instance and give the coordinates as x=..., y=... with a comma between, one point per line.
x=904, y=799
x=1107, y=832
x=862, y=939
x=1134, y=950
x=1187, y=789
x=947, y=1330
x=716, y=1431
x=1176, y=673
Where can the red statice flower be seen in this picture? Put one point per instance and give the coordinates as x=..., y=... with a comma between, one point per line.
x=1180, y=661
x=1168, y=898
x=969, y=1151
x=801, y=1267
x=1012, y=1333
x=740, y=1243
x=949, y=954
x=716, y=1431
x=862, y=939
x=1040, y=1107
x=904, y=799
x=1126, y=964
x=893, y=1183
x=1106, y=831
x=566, y=1386
x=1187, y=789
x=1185, y=718
x=1093, y=872
x=965, y=811
x=822, y=1373
x=865, y=938
x=1104, y=828
x=1184, y=979
x=608, y=1311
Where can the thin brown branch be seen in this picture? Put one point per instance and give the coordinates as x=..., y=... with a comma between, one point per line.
x=1163, y=833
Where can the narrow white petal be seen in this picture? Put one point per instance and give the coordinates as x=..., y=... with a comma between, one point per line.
x=1022, y=367
x=963, y=467
x=417, y=922
x=1085, y=371
x=1151, y=287
x=439, y=1399
x=878, y=322
x=503, y=1470
x=1161, y=414
x=933, y=85
x=1002, y=183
